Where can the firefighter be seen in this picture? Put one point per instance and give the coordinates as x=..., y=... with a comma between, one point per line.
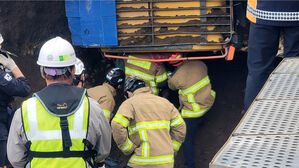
x=59, y=126
x=12, y=83
x=153, y=74
x=268, y=19
x=104, y=94
x=79, y=77
x=196, y=97
x=147, y=126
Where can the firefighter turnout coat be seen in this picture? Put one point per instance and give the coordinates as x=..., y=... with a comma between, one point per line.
x=148, y=71
x=150, y=128
x=104, y=95
x=195, y=92
x=48, y=133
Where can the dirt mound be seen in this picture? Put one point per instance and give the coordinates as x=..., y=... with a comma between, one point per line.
x=26, y=25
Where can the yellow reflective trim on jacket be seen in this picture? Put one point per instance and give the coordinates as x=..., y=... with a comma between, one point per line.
x=107, y=114
x=188, y=113
x=161, y=78
x=196, y=86
x=191, y=100
x=144, y=76
x=176, y=145
x=148, y=125
x=145, y=143
x=213, y=93
x=139, y=74
x=152, y=160
x=127, y=146
x=142, y=64
x=121, y=120
x=177, y=121
x=154, y=87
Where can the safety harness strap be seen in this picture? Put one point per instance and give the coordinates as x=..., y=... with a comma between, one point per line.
x=86, y=155
x=66, y=138
x=83, y=154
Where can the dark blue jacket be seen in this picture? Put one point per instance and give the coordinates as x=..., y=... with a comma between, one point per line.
x=10, y=86
x=274, y=12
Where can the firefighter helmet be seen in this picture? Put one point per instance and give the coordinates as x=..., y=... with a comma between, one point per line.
x=132, y=83
x=174, y=59
x=115, y=77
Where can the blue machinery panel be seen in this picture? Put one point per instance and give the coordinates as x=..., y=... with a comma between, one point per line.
x=92, y=22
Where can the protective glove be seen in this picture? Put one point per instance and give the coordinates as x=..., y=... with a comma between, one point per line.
x=7, y=62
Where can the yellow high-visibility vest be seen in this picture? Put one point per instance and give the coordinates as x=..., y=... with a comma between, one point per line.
x=44, y=132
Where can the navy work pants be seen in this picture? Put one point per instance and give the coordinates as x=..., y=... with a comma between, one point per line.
x=3, y=135
x=188, y=145
x=262, y=49
x=4, y=127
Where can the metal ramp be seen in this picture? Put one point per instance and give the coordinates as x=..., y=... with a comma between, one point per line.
x=268, y=134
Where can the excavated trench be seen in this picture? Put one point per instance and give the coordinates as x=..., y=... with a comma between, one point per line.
x=26, y=25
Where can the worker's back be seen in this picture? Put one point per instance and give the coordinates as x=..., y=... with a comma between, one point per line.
x=151, y=120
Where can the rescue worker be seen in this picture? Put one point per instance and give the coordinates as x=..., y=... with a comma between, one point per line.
x=153, y=74
x=268, y=19
x=59, y=126
x=196, y=97
x=10, y=85
x=106, y=92
x=147, y=126
x=79, y=77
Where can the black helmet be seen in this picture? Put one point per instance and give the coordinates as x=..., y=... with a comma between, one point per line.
x=115, y=77
x=132, y=83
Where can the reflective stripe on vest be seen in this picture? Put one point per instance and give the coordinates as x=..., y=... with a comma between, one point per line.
x=272, y=16
x=142, y=64
x=144, y=76
x=197, y=111
x=152, y=160
x=44, y=132
x=107, y=114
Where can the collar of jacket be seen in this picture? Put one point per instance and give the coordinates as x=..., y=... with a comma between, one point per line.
x=110, y=88
x=61, y=99
x=142, y=90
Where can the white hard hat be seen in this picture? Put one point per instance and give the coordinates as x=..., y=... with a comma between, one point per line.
x=1, y=39
x=57, y=52
x=79, y=66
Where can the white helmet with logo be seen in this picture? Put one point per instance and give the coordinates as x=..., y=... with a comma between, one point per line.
x=1, y=39
x=79, y=66
x=57, y=52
